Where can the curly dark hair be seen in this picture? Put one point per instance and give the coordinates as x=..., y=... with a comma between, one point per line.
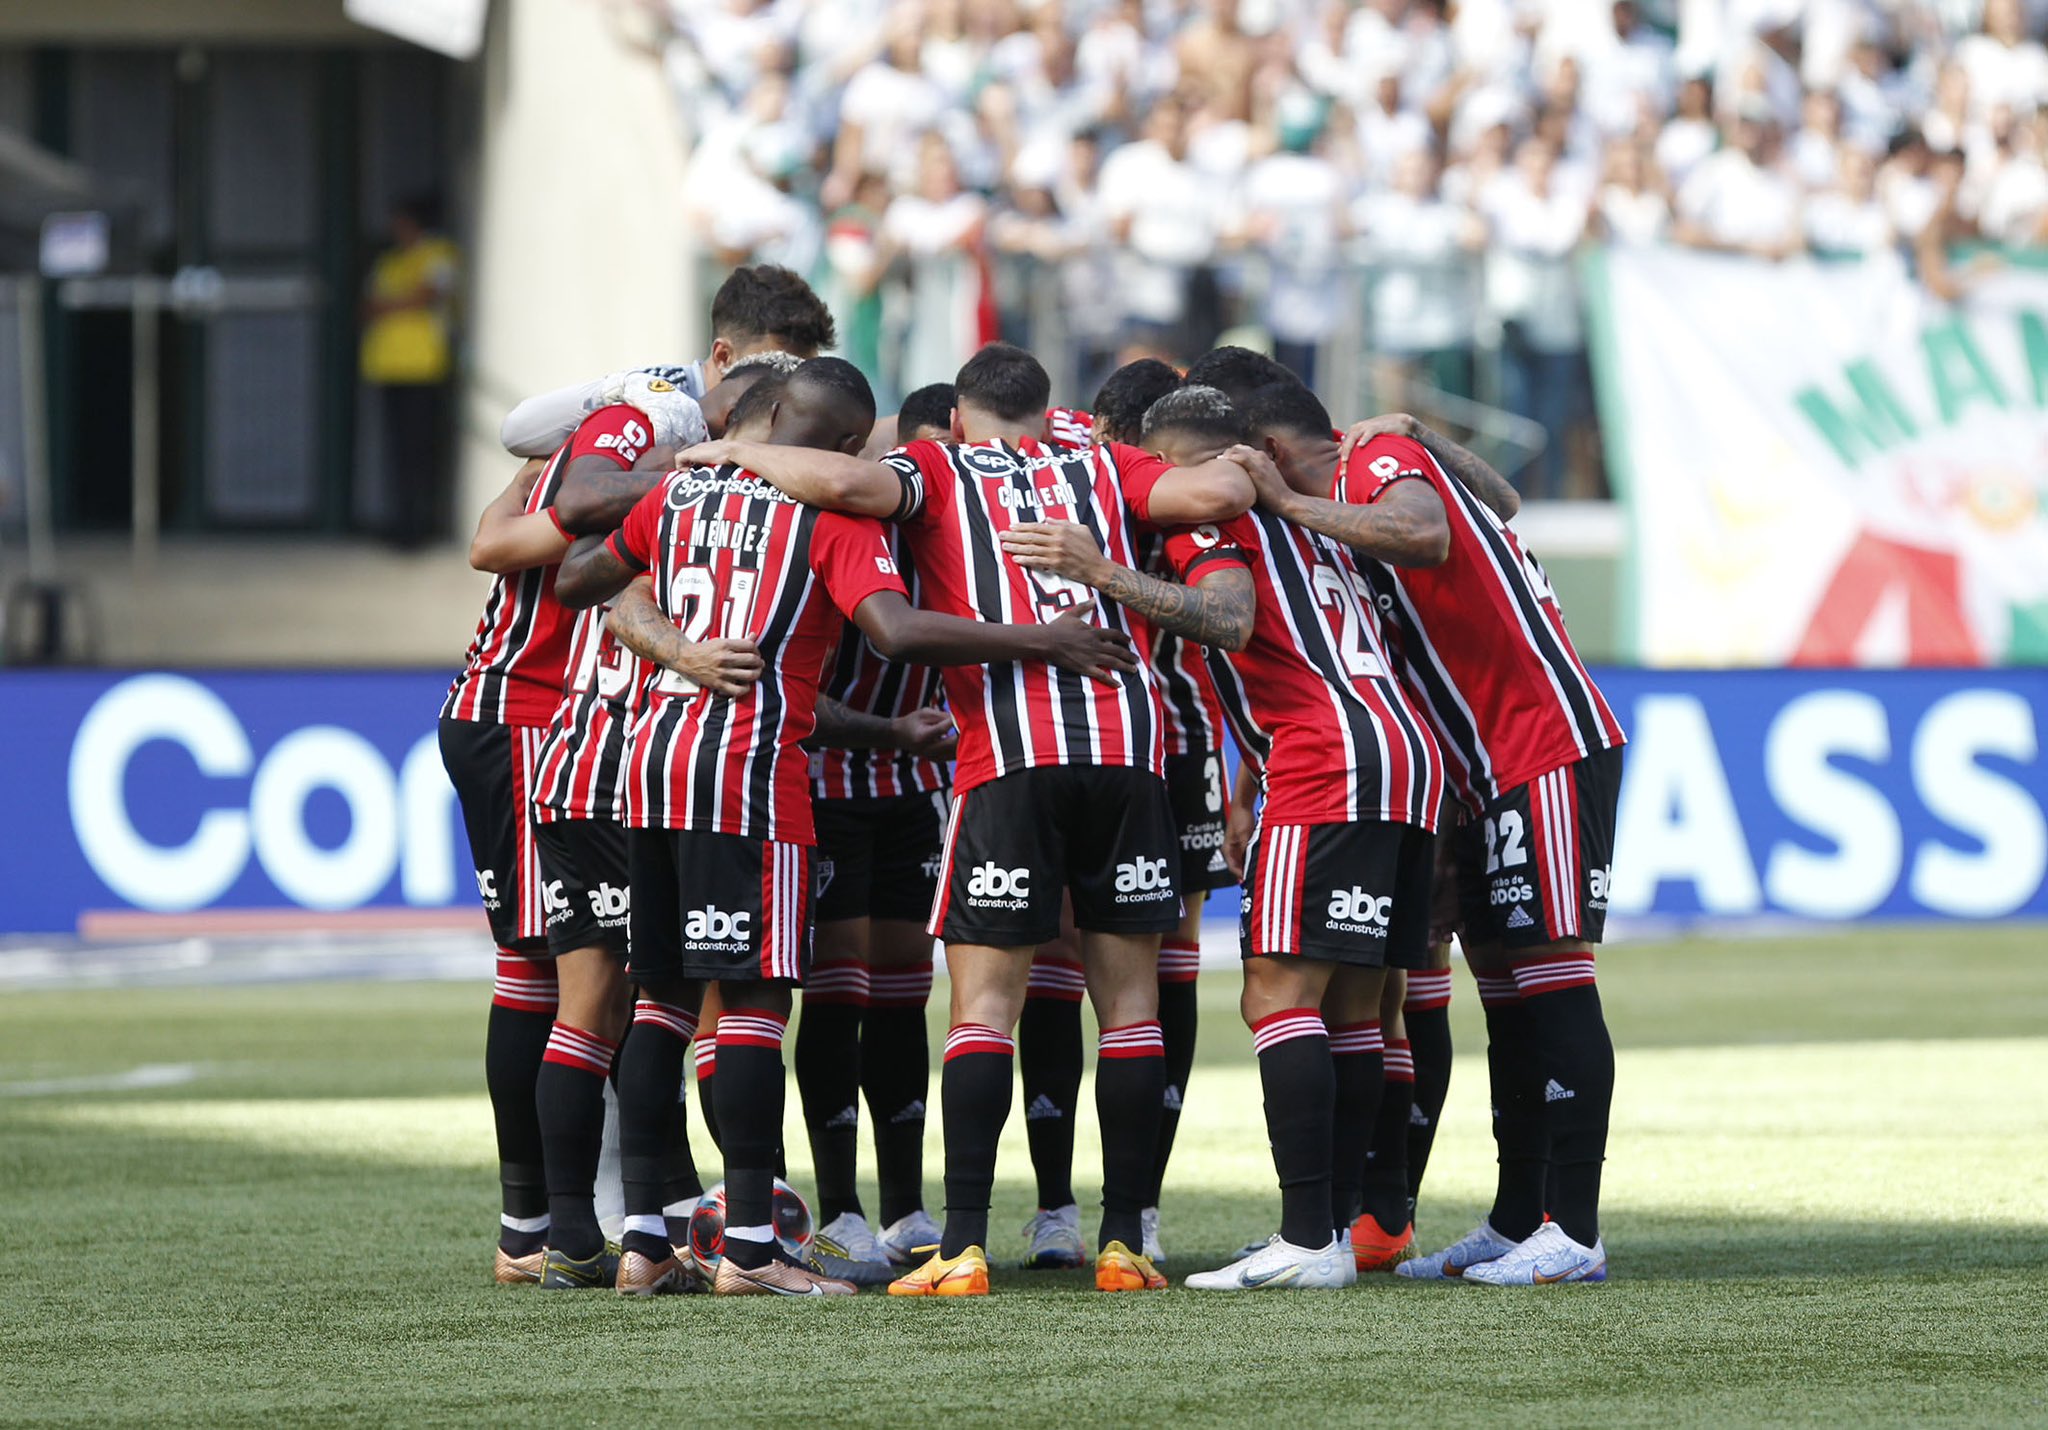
x=765, y=301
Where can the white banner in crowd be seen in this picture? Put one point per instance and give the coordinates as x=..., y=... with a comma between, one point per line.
x=1826, y=466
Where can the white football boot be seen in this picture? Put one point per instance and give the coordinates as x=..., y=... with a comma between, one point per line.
x=1478, y=1246
x=1548, y=1258
x=1281, y=1266
x=1149, y=1220
x=911, y=1239
x=846, y=1249
x=1055, y=1239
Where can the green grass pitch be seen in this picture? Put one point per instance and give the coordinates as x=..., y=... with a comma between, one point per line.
x=1827, y=1201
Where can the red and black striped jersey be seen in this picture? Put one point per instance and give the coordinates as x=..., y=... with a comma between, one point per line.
x=514, y=669
x=733, y=557
x=1189, y=712
x=864, y=680
x=1014, y=715
x=577, y=772
x=1313, y=697
x=1482, y=640
x=512, y=672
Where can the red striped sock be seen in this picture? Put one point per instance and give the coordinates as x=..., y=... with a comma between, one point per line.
x=1554, y=971
x=1060, y=978
x=578, y=1048
x=749, y=1028
x=667, y=1017
x=965, y=1038
x=1132, y=1040
x=1427, y=991
x=1355, y=1038
x=1496, y=991
x=1285, y=1026
x=906, y=986
x=843, y=981
x=1400, y=1062
x=524, y=983
x=1180, y=960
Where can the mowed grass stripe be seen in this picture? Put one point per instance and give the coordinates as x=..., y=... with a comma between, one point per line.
x=1843, y=1222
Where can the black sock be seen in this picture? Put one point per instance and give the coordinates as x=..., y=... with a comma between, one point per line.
x=1386, y=1161
x=1429, y=1035
x=1049, y=1057
x=974, y=1103
x=650, y=1079
x=680, y=1181
x=827, y=1061
x=1130, y=1083
x=1357, y=1071
x=895, y=1076
x=1299, y=1083
x=568, y=1098
x=706, y=1063
x=1178, y=1001
x=750, y=1095
x=514, y=1042
x=1575, y=1061
x=1520, y=1144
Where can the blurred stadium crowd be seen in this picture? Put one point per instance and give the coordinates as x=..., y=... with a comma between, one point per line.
x=1098, y=175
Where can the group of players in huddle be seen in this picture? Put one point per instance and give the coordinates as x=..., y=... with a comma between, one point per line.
x=737, y=634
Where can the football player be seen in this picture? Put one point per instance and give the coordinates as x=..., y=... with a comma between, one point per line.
x=492, y=723
x=881, y=817
x=718, y=787
x=1535, y=753
x=1339, y=866
x=1058, y=785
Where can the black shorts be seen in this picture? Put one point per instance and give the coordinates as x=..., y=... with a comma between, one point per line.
x=586, y=888
x=1103, y=833
x=722, y=907
x=1195, y=784
x=1341, y=893
x=491, y=767
x=1533, y=868
x=879, y=858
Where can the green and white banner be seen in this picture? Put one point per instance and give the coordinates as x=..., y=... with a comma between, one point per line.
x=1824, y=464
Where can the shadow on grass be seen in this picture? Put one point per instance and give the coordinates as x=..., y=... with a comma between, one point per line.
x=81, y=1188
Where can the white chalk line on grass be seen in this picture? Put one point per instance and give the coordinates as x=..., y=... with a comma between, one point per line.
x=135, y=1079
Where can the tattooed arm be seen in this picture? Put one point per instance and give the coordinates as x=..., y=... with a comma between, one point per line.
x=1215, y=612
x=842, y=728
x=723, y=667
x=927, y=732
x=591, y=574
x=1406, y=527
x=1471, y=471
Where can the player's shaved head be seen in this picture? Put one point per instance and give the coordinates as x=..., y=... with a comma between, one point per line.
x=927, y=414
x=826, y=403
x=752, y=414
x=1127, y=395
x=719, y=402
x=1191, y=418
x=1006, y=383
x=1238, y=372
